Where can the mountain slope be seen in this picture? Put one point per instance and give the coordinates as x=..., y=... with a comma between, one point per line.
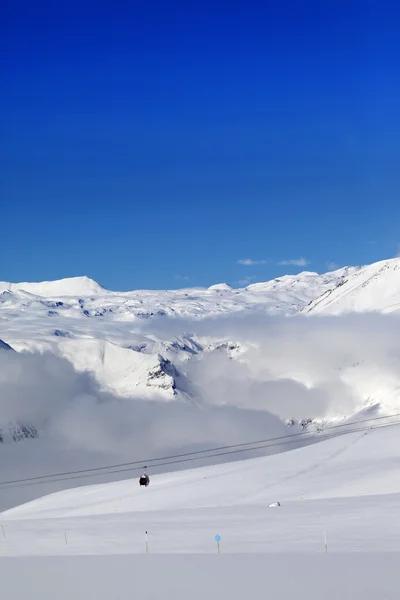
x=73, y=286
x=373, y=288
x=100, y=330
x=356, y=464
x=110, y=333
x=81, y=296
x=345, y=490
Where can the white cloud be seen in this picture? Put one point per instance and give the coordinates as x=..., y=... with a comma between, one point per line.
x=182, y=277
x=286, y=369
x=298, y=262
x=332, y=266
x=251, y=262
x=80, y=426
x=247, y=280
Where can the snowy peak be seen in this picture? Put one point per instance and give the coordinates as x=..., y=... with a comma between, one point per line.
x=221, y=287
x=72, y=286
x=373, y=288
x=101, y=331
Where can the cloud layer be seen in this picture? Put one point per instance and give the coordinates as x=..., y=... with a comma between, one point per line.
x=80, y=426
x=249, y=262
x=297, y=262
x=269, y=370
x=298, y=367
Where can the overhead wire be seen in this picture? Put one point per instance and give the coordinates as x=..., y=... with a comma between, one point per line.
x=200, y=454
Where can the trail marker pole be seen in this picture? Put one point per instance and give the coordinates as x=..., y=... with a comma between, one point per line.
x=66, y=540
x=4, y=533
x=147, y=543
x=326, y=543
x=218, y=539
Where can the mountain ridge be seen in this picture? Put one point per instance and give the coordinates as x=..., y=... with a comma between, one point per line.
x=137, y=345
x=85, y=285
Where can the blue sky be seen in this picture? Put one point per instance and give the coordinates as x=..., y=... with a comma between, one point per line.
x=155, y=145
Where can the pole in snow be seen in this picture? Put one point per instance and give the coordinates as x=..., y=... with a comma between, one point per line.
x=4, y=533
x=326, y=543
x=218, y=539
x=147, y=543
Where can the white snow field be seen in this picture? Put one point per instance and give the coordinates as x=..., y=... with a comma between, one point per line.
x=344, y=491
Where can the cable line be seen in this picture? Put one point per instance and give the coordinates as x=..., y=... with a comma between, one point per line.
x=192, y=456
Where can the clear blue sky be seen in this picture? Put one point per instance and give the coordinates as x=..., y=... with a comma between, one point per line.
x=147, y=142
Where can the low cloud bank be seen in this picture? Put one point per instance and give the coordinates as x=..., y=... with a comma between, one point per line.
x=283, y=368
x=297, y=367
x=80, y=426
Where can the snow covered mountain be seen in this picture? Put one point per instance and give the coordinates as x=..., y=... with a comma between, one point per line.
x=73, y=286
x=110, y=334
x=374, y=288
x=219, y=345
x=83, y=297
x=91, y=376
x=101, y=331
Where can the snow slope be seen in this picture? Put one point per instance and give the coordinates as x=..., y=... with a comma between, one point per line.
x=348, y=486
x=373, y=288
x=181, y=577
x=336, y=530
x=72, y=286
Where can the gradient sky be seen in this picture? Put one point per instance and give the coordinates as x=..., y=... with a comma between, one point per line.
x=155, y=144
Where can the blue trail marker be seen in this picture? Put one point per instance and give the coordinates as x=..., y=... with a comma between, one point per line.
x=217, y=539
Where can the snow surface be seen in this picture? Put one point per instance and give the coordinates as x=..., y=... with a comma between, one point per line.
x=344, y=490
x=348, y=485
x=375, y=287
x=194, y=577
x=71, y=286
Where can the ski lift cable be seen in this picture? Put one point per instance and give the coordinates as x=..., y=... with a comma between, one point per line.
x=205, y=451
x=197, y=452
x=73, y=475
x=22, y=483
